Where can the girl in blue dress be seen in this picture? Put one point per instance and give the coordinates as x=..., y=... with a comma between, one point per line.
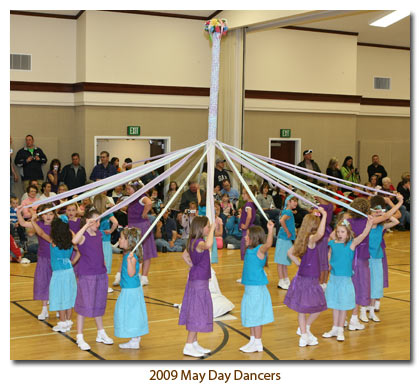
x=340, y=293
x=256, y=306
x=376, y=254
x=130, y=315
x=286, y=235
x=63, y=286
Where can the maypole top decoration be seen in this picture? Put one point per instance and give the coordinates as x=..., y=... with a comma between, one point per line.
x=216, y=26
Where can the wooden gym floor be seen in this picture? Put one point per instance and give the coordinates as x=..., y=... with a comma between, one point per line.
x=31, y=339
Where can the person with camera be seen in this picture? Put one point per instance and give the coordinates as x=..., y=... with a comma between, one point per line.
x=190, y=195
x=233, y=231
x=167, y=238
x=348, y=171
x=30, y=159
x=189, y=214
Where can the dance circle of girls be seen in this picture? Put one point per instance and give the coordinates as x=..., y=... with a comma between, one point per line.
x=71, y=271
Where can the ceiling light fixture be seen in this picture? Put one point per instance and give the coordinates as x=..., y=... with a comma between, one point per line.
x=391, y=18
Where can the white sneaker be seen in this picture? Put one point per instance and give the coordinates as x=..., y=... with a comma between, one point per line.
x=144, y=280
x=374, y=317
x=103, y=338
x=82, y=344
x=199, y=348
x=332, y=333
x=306, y=339
x=230, y=246
x=340, y=334
x=69, y=323
x=283, y=284
x=61, y=327
x=239, y=280
x=117, y=279
x=308, y=331
x=25, y=261
x=377, y=305
x=254, y=347
x=345, y=323
x=110, y=290
x=363, y=316
x=251, y=341
x=355, y=324
x=57, y=314
x=189, y=350
x=323, y=286
x=134, y=343
x=44, y=314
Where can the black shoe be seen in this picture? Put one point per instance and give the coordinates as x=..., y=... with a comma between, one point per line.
x=164, y=249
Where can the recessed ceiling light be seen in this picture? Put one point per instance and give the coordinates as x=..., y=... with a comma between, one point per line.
x=391, y=18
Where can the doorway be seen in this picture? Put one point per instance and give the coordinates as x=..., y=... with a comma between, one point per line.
x=287, y=150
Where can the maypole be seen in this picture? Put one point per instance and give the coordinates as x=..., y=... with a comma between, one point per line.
x=216, y=28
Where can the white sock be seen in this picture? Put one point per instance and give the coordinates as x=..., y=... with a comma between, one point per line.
x=251, y=339
x=79, y=336
x=354, y=317
x=258, y=342
x=101, y=332
x=44, y=309
x=371, y=309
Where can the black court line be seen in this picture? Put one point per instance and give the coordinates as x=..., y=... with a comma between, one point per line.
x=400, y=270
x=274, y=357
x=160, y=300
x=397, y=299
x=62, y=334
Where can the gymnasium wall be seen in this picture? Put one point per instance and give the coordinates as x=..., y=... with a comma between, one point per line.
x=119, y=48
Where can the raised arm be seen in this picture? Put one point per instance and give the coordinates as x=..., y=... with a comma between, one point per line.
x=38, y=230
x=265, y=247
x=391, y=212
x=364, y=234
x=321, y=228
x=393, y=221
x=78, y=238
x=202, y=246
x=22, y=222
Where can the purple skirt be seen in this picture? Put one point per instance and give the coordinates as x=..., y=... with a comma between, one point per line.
x=361, y=281
x=91, y=296
x=197, y=307
x=323, y=253
x=42, y=279
x=149, y=246
x=305, y=295
x=385, y=267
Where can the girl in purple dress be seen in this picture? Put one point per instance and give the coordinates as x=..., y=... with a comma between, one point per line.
x=305, y=294
x=43, y=270
x=197, y=307
x=137, y=217
x=92, y=283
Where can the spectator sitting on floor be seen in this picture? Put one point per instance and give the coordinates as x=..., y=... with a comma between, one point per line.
x=166, y=236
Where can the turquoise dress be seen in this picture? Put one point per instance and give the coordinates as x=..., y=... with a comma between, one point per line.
x=63, y=286
x=256, y=306
x=106, y=241
x=283, y=243
x=130, y=315
x=375, y=262
x=340, y=293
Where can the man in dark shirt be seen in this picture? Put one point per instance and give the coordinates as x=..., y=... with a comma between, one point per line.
x=31, y=158
x=376, y=169
x=190, y=195
x=73, y=175
x=220, y=173
x=167, y=238
x=104, y=169
x=310, y=164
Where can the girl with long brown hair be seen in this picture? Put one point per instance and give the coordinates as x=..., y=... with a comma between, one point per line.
x=197, y=307
x=305, y=294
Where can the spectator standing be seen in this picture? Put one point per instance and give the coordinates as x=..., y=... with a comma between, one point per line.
x=13, y=175
x=115, y=161
x=334, y=169
x=30, y=159
x=54, y=174
x=376, y=169
x=220, y=173
x=310, y=164
x=74, y=175
x=104, y=169
x=349, y=172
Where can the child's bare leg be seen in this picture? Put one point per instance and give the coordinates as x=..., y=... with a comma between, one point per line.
x=285, y=275
x=258, y=332
x=335, y=317
x=191, y=337
x=302, y=322
x=80, y=323
x=68, y=314
x=280, y=271
x=146, y=267
x=341, y=318
x=62, y=315
x=311, y=318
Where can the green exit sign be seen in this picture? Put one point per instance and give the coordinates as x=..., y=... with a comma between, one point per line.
x=133, y=130
x=285, y=133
